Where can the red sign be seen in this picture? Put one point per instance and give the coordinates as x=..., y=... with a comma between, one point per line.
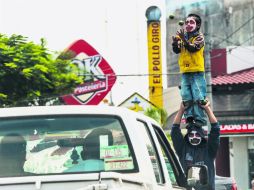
x=99, y=79
x=237, y=128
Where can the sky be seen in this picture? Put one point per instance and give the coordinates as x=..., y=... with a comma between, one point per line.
x=116, y=29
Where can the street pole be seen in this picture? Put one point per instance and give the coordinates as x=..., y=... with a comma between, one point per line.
x=208, y=61
x=153, y=15
x=207, y=58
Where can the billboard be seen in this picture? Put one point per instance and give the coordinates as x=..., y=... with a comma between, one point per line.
x=99, y=76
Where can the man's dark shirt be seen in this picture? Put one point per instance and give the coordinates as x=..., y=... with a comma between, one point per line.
x=202, y=154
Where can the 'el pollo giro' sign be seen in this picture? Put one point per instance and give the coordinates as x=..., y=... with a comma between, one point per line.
x=99, y=79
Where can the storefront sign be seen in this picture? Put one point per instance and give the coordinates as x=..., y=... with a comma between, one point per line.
x=99, y=76
x=237, y=128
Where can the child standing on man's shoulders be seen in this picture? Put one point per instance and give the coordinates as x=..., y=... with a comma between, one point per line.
x=190, y=44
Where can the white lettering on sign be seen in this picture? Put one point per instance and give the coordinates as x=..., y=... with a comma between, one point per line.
x=231, y=127
x=250, y=126
x=90, y=65
x=91, y=87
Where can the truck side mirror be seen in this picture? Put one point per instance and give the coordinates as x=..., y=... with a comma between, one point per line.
x=197, y=176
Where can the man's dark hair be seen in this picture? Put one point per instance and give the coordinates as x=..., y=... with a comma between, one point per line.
x=197, y=19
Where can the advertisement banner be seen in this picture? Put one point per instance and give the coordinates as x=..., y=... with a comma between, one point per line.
x=227, y=129
x=99, y=76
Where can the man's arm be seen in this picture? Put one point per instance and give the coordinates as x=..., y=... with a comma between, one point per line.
x=214, y=135
x=176, y=134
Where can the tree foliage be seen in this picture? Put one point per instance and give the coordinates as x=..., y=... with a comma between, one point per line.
x=30, y=75
x=158, y=114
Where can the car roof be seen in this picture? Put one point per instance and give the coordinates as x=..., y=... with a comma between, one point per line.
x=61, y=109
x=70, y=109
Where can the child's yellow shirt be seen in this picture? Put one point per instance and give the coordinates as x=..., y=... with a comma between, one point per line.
x=191, y=62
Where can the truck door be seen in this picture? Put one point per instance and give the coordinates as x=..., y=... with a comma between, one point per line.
x=169, y=178
x=174, y=169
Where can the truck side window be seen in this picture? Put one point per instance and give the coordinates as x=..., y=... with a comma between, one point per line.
x=166, y=159
x=171, y=174
x=152, y=152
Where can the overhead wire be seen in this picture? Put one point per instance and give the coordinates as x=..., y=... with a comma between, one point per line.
x=230, y=50
x=239, y=28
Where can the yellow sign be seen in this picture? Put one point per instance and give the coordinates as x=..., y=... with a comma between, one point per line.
x=155, y=65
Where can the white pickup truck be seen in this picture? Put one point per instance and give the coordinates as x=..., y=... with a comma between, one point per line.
x=86, y=148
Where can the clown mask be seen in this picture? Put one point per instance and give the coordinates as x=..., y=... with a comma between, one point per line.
x=190, y=24
x=194, y=138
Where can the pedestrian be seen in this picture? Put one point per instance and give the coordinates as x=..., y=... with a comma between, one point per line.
x=194, y=148
x=189, y=43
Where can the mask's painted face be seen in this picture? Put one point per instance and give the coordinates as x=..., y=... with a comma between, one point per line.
x=194, y=138
x=190, y=24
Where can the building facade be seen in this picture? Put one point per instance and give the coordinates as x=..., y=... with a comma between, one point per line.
x=228, y=26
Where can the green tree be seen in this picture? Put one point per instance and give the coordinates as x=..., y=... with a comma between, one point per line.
x=158, y=114
x=30, y=75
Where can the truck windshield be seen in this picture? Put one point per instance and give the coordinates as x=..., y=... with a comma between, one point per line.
x=63, y=144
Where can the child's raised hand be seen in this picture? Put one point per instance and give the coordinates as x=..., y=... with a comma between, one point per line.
x=180, y=33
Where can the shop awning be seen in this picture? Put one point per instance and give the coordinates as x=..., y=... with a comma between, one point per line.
x=240, y=77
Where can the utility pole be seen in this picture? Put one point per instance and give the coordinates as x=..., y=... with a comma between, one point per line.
x=208, y=62
x=207, y=57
